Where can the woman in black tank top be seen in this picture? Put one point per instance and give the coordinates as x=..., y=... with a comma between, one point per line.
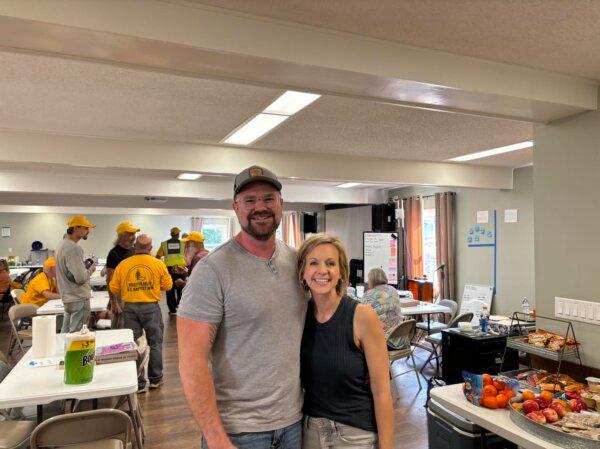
x=344, y=364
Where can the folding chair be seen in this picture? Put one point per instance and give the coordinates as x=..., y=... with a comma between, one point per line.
x=402, y=333
x=94, y=429
x=16, y=295
x=16, y=313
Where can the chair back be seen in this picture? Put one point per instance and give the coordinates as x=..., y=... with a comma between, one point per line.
x=401, y=333
x=452, y=306
x=16, y=295
x=82, y=427
x=464, y=318
x=19, y=311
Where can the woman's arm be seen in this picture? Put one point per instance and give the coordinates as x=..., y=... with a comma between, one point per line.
x=369, y=334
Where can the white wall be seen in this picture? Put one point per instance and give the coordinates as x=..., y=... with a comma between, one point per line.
x=349, y=224
x=49, y=229
x=515, y=266
x=567, y=211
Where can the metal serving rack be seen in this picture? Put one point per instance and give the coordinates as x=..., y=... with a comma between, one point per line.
x=557, y=356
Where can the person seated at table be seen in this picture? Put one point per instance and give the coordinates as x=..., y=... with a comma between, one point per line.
x=343, y=357
x=42, y=287
x=139, y=279
x=4, y=282
x=383, y=298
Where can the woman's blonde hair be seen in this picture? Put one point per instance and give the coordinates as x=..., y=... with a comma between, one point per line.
x=323, y=239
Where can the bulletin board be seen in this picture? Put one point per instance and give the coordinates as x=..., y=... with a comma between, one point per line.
x=380, y=250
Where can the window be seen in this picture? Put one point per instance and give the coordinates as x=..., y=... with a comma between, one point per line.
x=215, y=231
x=428, y=226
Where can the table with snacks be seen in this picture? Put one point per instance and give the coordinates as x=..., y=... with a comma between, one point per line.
x=534, y=409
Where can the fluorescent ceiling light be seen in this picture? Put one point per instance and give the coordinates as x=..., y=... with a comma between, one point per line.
x=493, y=151
x=347, y=185
x=291, y=102
x=189, y=176
x=255, y=128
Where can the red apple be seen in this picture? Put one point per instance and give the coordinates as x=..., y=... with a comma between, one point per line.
x=576, y=405
x=559, y=409
x=550, y=414
x=530, y=406
x=572, y=395
x=537, y=417
x=542, y=403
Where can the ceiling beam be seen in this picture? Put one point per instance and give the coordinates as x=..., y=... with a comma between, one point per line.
x=201, y=41
x=22, y=147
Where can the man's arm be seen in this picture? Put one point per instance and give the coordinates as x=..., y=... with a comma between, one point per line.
x=114, y=302
x=74, y=262
x=198, y=385
x=159, y=253
x=49, y=294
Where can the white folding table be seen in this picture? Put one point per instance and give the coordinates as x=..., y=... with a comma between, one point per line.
x=98, y=303
x=27, y=385
x=496, y=421
x=425, y=309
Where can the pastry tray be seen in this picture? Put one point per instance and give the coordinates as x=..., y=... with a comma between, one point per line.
x=517, y=343
x=548, y=433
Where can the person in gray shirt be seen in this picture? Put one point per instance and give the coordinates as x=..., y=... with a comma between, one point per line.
x=240, y=324
x=73, y=275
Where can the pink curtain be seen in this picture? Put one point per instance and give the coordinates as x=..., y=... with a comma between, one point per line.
x=414, y=236
x=292, y=232
x=445, y=237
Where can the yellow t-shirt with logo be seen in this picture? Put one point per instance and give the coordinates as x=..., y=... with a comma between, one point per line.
x=35, y=289
x=140, y=278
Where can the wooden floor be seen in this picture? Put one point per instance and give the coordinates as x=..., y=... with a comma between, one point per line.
x=169, y=424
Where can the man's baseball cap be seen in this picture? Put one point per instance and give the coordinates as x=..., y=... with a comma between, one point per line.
x=194, y=236
x=126, y=227
x=80, y=220
x=49, y=263
x=255, y=174
x=175, y=231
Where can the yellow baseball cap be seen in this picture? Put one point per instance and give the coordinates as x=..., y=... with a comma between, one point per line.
x=80, y=220
x=127, y=227
x=49, y=263
x=194, y=236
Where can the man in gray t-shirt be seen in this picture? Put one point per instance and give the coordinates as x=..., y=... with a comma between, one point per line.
x=243, y=310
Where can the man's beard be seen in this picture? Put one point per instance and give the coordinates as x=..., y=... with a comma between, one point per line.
x=257, y=233
x=189, y=254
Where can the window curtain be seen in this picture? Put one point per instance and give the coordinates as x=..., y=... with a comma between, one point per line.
x=445, y=237
x=292, y=231
x=414, y=236
x=197, y=224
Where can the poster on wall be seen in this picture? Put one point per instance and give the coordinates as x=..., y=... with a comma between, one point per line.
x=380, y=250
x=5, y=232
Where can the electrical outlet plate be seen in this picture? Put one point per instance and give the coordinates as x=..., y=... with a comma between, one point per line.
x=577, y=310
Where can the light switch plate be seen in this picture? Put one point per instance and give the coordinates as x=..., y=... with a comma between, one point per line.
x=577, y=310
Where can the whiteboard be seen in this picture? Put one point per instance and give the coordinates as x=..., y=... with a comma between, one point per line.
x=380, y=250
x=474, y=298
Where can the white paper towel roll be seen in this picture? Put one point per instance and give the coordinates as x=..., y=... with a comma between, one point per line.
x=44, y=336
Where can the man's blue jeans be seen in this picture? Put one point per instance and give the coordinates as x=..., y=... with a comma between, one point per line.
x=289, y=437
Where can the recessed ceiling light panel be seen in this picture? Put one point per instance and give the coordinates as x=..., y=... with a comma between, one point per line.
x=493, y=151
x=291, y=102
x=255, y=129
x=348, y=185
x=189, y=176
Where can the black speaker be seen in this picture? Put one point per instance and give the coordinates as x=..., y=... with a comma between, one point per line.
x=383, y=217
x=309, y=223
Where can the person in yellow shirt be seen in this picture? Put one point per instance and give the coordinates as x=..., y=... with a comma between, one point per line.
x=139, y=279
x=43, y=286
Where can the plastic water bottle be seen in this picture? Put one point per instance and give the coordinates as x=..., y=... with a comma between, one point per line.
x=525, y=306
x=484, y=318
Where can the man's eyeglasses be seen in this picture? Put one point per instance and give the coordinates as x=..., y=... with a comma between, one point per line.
x=250, y=201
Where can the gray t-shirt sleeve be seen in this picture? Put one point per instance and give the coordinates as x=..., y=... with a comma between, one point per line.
x=202, y=298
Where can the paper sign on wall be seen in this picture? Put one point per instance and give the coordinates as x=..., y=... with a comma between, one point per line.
x=5, y=232
x=482, y=216
x=510, y=216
